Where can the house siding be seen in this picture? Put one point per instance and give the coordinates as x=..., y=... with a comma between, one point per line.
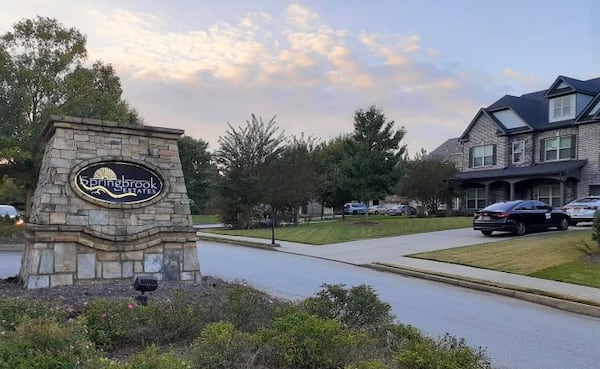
x=588, y=146
x=551, y=134
x=484, y=132
x=529, y=147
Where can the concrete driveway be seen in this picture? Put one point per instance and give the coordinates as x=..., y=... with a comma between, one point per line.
x=392, y=249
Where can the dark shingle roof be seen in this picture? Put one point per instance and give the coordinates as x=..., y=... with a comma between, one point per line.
x=538, y=169
x=450, y=147
x=533, y=106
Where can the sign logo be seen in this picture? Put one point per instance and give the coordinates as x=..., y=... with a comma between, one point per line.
x=118, y=182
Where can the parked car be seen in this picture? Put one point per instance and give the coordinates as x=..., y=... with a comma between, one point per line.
x=583, y=210
x=355, y=208
x=378, y=209
x=518, y=217
x=9, y=211
x=402, y=210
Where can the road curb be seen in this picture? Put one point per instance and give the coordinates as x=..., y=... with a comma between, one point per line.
x=257, y=245
x=539, y=297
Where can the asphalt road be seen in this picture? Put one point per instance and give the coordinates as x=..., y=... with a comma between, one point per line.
x=516, y=334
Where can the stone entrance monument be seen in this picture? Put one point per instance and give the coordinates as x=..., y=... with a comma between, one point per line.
x=110, y=203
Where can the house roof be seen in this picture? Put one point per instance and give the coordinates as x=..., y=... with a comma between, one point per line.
x=532, y=170
x=533, y=107
x=442, y=152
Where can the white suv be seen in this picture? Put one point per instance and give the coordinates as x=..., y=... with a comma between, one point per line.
x=583, y=210
x=354, y=208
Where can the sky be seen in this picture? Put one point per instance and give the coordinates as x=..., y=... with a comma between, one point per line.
x=428, y=65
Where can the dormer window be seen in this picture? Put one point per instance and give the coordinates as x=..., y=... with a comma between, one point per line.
x=562, y=108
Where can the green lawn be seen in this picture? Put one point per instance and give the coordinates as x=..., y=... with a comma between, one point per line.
x=205, y=219
x=557, y=256
x=353, y=228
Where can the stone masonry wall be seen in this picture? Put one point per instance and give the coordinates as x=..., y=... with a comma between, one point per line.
x=70, y=239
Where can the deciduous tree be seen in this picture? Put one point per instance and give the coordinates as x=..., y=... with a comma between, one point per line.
x=41, y=73
x=427, y=180
x=243, y=154
x=199, y=171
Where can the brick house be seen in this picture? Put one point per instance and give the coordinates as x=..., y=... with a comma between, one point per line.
x=542, y=145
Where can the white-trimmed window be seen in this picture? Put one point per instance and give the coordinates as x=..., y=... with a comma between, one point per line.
x=550, y=194
x=557, y=148
x=482, y=156
x=476, y=198
x=562, y=108
x=518, y=152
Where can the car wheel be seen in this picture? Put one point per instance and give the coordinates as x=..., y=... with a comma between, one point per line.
x=354, y=212
x=573, y=223
x=520, y=228
x=376, y=213
x=563, y=225
x=486, y=233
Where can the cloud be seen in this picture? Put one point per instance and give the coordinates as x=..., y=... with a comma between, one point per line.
x=529, y=82
x=311, y=75
x=301, y=16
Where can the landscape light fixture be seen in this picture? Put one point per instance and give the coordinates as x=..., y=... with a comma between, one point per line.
x=144, y=284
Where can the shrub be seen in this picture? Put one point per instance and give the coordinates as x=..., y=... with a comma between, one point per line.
x=369, y=364
x=301, y=340
x=177, y=318
x=357, y=307
x=111, y=323
x=221, y=346
x=445, y=353
x=248, y=309
x=9, y=231
x=12, y=310
x=151, y=358
x=47, y=344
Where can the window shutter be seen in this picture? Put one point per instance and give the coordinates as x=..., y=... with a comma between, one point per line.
x=542, y=148
x=494, y=154
x=470, y=157
x=573, y=146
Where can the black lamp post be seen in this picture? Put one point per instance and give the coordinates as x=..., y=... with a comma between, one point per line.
x=273, y=228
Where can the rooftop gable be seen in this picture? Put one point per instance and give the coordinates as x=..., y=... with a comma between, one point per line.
x=501, y=128
x=566, y=85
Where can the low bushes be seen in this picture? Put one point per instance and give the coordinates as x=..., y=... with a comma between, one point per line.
x=339, y=327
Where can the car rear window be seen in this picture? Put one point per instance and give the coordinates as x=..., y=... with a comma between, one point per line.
x=500, y=206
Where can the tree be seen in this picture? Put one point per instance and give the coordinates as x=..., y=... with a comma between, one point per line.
x=243, y=155
x=198, y=170
x=427, y=181
x=290, y=180
x=41, y=73
x=332, y=183
x=375, y=155
x=96, y=93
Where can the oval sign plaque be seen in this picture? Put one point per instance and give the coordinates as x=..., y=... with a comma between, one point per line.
x=118, y=182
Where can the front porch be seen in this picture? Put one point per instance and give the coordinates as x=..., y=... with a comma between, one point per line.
x=553, y=183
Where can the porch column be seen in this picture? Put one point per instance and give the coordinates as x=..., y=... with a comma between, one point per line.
x=511, y=193
x=487, y=194
x=562, y=192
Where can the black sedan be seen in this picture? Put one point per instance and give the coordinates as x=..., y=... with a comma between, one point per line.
x=519, y=217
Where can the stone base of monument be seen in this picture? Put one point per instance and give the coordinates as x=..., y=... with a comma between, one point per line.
x=64, y=255
x=110, y=203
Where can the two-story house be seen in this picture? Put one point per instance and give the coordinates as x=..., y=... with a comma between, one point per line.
x=542, y=145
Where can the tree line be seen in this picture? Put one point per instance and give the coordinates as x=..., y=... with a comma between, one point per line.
x=256, y=171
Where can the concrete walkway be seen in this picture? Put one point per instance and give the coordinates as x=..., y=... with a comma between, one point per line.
x=390, y=255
